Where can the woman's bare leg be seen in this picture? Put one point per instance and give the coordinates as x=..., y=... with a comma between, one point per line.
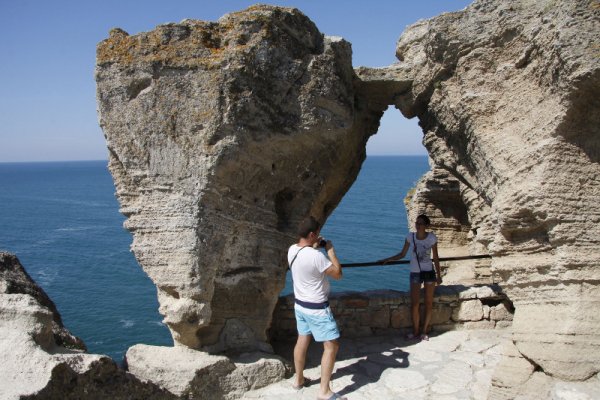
x=429, y=290
x=415, y=291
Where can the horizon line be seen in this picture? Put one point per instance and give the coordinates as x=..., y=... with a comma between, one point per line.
x=106, y=160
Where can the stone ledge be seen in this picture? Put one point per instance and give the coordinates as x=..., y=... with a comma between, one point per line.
x=191, y=373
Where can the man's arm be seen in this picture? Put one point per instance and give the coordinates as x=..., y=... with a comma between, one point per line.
x=335, y=269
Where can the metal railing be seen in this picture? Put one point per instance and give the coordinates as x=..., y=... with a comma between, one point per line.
x=379, y=263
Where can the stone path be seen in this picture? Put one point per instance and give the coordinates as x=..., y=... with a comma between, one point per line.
x=451, y=365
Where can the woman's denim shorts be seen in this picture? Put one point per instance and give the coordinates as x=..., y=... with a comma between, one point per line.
x=428, y=277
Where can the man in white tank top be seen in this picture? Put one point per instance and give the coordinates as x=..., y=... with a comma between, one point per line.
x=310, y=269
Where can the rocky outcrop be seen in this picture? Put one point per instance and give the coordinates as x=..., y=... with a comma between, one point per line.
x=36, y=363
x=457, y=218
x=195, y=375
x=14, y=280
x=508, y=95
x=41, y=359
x=222, y=137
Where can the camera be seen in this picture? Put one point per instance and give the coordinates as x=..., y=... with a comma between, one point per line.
x=322, y=243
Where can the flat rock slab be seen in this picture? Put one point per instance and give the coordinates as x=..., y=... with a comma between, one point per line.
x=399, y=369
x=199, y=375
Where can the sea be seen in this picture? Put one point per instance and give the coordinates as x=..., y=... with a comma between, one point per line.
x=62, y=221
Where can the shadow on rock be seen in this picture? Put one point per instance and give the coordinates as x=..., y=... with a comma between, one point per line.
x=369, y=368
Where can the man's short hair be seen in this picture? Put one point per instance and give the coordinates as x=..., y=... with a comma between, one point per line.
x=308, y=225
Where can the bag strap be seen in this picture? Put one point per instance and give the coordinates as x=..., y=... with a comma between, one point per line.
x=416, y=254
x=294, y=259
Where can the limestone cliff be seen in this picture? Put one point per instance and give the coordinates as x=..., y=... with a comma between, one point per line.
x=508, y=96
x=222, y=137
x=14, y=280
x=41, y=359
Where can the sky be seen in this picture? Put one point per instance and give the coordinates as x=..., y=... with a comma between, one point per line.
x=48, y=51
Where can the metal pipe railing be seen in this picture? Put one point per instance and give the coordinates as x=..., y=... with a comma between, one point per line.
x=376, y=263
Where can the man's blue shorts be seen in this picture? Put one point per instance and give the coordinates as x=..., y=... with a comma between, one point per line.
x=322, y=327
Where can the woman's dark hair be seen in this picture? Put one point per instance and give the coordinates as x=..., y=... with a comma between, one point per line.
x=308, y=225
x=425, y=219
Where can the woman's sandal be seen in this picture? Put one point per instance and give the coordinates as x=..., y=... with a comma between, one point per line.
x=410, y=336
x=424, y=337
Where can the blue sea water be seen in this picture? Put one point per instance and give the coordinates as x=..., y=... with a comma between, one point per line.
x=62, y=220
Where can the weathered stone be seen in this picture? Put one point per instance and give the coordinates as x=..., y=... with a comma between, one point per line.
x=503, y=324
x=486, y=311
x=500, y=313
x=470, y=358
x=481, y=387
x=465, y=272
x=438, y=194
x=483, y=324
x=480, y=292
x=446, y=293
x=35, y=365
x=14, y=279
x=576, y=390
x=508, y=95
x=393, y=368
x=356, y=331
x=260, y=370
x=222, y=137
x=390, y=310
x=383, y=297
x=440, y=314
x=195, y=374
x=354, y=302
x=376, y=318
x=455, y=375
x=401, y=318
x=402, y=380
x=510, y=374
x=471, y=310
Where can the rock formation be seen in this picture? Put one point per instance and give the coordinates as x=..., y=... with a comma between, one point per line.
x=14, y=280
x=443, y=197
x=222, y=137
x=508, y=96
x=41, y=359
x=191, y=374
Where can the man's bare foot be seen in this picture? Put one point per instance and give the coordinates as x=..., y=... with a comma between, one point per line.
x=302, y=384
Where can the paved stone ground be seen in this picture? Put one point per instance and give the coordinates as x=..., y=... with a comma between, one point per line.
x=451, y=365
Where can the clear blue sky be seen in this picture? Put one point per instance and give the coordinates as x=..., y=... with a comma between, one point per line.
x=47, y=88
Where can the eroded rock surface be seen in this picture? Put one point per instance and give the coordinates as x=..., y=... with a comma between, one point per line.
x=14, y=280
x=222, y=137
x=508, y=95
x=35, y=362
x=192, y=374
x=458, y=215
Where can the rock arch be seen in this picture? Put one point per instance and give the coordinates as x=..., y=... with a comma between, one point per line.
x=222, y=136
x=241, y=129
x=507, y=96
